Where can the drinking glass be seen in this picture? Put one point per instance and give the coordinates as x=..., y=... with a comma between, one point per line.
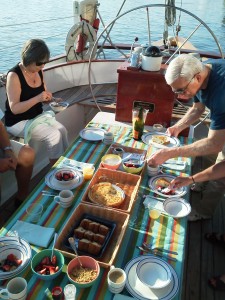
x=34, y=211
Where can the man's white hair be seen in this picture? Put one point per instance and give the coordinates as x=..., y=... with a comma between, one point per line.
x=185, y=66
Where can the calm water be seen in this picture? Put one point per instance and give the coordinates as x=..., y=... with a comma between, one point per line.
x=51, y=20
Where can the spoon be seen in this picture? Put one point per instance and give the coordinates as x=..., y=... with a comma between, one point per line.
x=72, y=244
x=53, y=246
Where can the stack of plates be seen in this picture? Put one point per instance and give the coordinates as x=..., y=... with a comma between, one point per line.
x=143, y=292
x=22, y=250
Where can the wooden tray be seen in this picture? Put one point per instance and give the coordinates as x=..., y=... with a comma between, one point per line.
x=128, y=150
x=120, y=218
x=129, y=183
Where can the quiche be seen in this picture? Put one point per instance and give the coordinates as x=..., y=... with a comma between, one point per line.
x=105, y=193
x=160, y=139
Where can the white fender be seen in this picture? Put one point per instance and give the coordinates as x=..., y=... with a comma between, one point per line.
x=80, y=28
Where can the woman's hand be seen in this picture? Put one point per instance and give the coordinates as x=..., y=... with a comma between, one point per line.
x=7, y=164
x=45, y=96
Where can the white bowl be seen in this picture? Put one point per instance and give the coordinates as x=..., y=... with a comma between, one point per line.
x=61, y=175
x=177, y=207
x=22, y=250
x=58, y=106
x=154, y=273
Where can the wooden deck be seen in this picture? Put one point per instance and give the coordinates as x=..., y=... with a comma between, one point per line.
x=203, y=260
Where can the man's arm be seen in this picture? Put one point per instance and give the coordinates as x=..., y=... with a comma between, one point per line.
x=210, y=145
x=4, y=138
x=214, y=172
x=192, y=115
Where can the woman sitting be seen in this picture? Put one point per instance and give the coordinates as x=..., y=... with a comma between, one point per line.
x=26, y=91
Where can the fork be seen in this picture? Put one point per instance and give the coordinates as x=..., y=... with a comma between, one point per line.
x=157, y=253
x=149, y=246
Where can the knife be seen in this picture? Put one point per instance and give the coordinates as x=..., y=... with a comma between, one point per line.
x=157, y=254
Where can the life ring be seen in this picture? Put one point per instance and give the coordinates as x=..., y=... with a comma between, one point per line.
x=80, y=29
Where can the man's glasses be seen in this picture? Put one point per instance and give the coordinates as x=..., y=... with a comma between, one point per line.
x=183, y=90
x=38, y=64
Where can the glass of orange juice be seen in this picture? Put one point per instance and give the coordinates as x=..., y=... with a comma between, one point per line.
x=88, y=171
x=154, y=213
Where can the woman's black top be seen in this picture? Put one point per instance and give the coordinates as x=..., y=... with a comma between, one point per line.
x=27, y=92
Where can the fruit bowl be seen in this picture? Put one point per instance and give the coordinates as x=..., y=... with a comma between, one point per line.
x=87, y=263
x=42, y=266
x=133, y=167
x=65, y=175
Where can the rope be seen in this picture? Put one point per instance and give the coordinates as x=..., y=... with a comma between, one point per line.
x=170, y=13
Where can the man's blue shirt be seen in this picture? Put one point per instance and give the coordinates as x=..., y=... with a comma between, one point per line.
x=213, y=96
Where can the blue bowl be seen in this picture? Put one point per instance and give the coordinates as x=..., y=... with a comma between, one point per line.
x=42, y=254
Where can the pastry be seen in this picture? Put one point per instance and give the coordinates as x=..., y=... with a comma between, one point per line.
x=94, y=248
x=85, y=223
x=103, y=230
x=160, y=139
x=99, y=238
x=79, y=232
x=83, y=245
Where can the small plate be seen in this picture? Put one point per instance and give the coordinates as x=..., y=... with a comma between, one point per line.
x=56, y=185
x=178, y=192
x=92, y=134
x=141, y=291
x=177, y=207
x=174, y=142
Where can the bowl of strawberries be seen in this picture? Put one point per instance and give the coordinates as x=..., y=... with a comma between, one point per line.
x=65, y=176
x=46, y=268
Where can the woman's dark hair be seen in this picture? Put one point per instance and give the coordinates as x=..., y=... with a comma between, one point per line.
x=35, y=51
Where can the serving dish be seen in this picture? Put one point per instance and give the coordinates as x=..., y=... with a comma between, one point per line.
x=128, y=183
x=120, y=218
x=110, y=225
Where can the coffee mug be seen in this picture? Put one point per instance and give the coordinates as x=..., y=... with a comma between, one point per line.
x=116, y=280
x=153, y=170
x=64, y=199
x=16, y=289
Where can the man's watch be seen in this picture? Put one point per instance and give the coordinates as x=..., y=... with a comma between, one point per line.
x=8, y=148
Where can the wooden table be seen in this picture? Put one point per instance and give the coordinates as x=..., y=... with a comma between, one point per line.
x=166, y=232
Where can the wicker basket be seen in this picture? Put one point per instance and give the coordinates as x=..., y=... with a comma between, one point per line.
x=129, y=183
x=120, y=218
x=128, y=150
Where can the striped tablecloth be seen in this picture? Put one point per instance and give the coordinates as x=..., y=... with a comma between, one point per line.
x=165, y=231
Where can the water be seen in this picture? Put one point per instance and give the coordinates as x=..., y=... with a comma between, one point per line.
x=51, y=20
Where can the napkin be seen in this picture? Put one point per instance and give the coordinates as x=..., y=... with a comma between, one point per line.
x=34, y=234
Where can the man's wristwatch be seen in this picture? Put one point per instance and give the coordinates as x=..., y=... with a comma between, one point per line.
x=8, y=148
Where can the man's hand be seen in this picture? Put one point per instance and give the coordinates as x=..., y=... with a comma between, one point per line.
x=173, y=131
x=180, y=182
x=12, y=159
x=158, y=157
x=7, y=164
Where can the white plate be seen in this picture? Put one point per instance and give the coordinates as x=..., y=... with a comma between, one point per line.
x=116, y=188
x=178, y=192
x=141, y=291
x=174, y=142
x=92, y=134
x=177, y=207
x=56, y=185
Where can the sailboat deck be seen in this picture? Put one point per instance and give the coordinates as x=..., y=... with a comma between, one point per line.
x=203, y=260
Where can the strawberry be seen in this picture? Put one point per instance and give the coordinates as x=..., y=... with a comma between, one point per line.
x=6, y=268
x=11, y=257
x=54, y=260
x=42, y=271
x=18, y=262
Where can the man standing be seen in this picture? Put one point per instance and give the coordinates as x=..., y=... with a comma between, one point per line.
x=205, y=83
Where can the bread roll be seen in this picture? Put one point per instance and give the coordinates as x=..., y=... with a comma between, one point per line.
x=99, y=238
x=103, y=230
x=83, y=245
x=85, y=223
x=89, y=235
x=79, y=232
x=94, y=248
x=94, y=226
